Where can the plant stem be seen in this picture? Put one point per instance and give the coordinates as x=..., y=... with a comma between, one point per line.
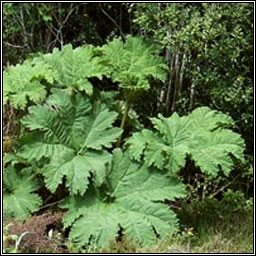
x=126, y=110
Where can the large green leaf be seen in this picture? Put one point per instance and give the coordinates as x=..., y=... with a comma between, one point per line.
x=73, y=134
x=23, y=83
x=132, y=200
x=77, y=169
x=75, y=66
x=202, y=135
x=132, y=63
x=204, y=119
x=18, y=197
x=67, y=68
x=167, y=147
x=211, y=144
x=212, y=149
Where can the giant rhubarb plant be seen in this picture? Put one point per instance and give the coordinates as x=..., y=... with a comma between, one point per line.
x=131, y=200
x=71, y=136
x=201, y=135
x=74, y=135
x=75, y=66
x=131, y=64
x=67, y=68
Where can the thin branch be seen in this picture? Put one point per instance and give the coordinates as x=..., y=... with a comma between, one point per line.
x=222, y=188
x=20, y=237
x=68, y=15
x=58, y=34
x=115, y=23
x=25, y=35
x=12, y=45
x=50, y=204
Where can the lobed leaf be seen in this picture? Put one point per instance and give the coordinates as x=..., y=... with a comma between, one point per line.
x=201, y=135
x=166, y=148
x=132, y=63
x=132, y=201
x=18, y=197
x=75, y=66
x=74, y=135
x=23, y=83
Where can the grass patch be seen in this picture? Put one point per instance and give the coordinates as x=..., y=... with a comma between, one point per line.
x=208, y=226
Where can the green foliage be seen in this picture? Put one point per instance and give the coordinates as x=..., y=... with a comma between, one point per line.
x=40, y=27
x=19, y=197
x=74, y=135
x=198, y=135
x=69, y=134
x=67, y=68
x=235, y=201
x=130, y=64
x=131, y=200
x=214, y=44
x=23, y=84
x=111, y=99
x=75, y=66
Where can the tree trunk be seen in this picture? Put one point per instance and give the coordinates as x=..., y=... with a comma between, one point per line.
x=176, y=82
x=191, y=98
x=182, y=69
x=168, y=94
